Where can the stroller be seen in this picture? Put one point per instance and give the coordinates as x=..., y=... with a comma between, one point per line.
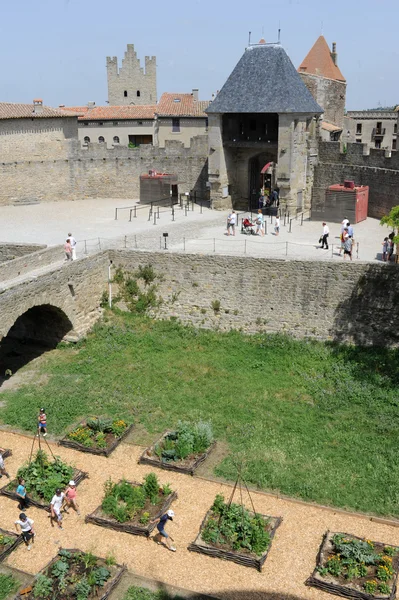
x=247, y=227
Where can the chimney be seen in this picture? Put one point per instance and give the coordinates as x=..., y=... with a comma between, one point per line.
x=91, y=104
x=195, y=94
x=334, y=54
x=37, y=106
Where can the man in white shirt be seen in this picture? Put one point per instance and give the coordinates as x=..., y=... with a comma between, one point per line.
x=55, y=506
x=231, y=222
x=27, y=530
x=324, y=237
x=72, y=241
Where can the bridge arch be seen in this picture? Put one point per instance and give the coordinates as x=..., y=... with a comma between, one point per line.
x=36, y=331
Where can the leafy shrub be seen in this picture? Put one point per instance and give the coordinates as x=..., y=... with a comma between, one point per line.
x=151, y=487
x=101, y=440
x=384, y=588
x=60, y=568
x=189, y=438
x=8, y=585
x=118, y=427
x=123, y=501
x=146, y=273
x=82, y=589
x=6, y=540
x=101, y=576
x=42, y=477
x=43, y=587
x=370, y=586
x=145, y=518
x=235, y=526
x=215, y=304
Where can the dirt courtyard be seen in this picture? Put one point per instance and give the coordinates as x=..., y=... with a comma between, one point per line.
x=291, y=558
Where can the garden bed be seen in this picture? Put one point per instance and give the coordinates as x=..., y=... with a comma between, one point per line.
x=9, y=540
x=251, y=534
x=169, y=453
x=97, y=436
x=73, y=572
x=42, y=477
x=128, y=507
x=353, y=567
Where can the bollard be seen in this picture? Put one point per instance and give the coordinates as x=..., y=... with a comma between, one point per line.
x=130, y=215
x=158, y=213
x=125, y=241
x=184, y=244
x=85, y=247
x=152, y=208
x=155, y=218
x=289, y=231
x=286, y=248
x=301, y=218
x=245, y=246
x=116, y=214
x=160, y=242
x=149, y=215
x=135, y=211
x=135, y=241
x=357, y=249
x=284, y=219
x=214, y=244
x=173, y=214
x=201, y=207
x=185, y=209
x=99, y=243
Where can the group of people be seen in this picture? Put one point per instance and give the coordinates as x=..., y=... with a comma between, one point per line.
x=259, y=223
x=346, y=238
x=268, y=198
x=70, y=247
x=388, y=247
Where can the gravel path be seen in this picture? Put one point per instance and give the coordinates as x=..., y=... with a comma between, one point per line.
x=290, y=561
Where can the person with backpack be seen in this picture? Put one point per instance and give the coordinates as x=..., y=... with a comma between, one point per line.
x=161, y=522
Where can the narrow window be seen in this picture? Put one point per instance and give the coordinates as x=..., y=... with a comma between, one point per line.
x=358, y=129
x=394, y=144
x=125, y=93
x=116, y=139
x=101, y=139
x=359, y=141
x=115, y=123
x=395, y=128
x=85, y=123
x=87, y=140
x=175, y=125
x=379, y=127
x=378, y=143
x=138, y=94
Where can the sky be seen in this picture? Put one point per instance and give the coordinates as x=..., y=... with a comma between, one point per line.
x=56, y=49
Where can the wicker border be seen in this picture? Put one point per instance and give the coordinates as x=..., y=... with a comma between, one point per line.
x=144, y=530
x=99, y=451
x=77, y=476
x=108, y=588
x=156, y=462
x=342, y=590
x=15, y=544
x=7, y=453
x=198, y=545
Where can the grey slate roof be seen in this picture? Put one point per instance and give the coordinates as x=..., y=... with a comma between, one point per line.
x=264, y=81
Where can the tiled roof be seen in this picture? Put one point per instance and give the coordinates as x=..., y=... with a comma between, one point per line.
x=264, y=81
x=181, y=105
x=80, y=110
x=319, y=62
x=10, y=110
x=330, y=127
x=116, y=113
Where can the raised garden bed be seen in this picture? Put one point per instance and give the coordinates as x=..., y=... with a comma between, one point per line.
x=130, y=506
x=9, y=540
x=353, y=567
x=232, y=532
x=97, y=436
x=74, y=574
x=42, y=477
x=182, y=450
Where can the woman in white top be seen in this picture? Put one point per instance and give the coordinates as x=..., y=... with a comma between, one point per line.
x=55, y=506
x=27, y=530
x=277, y=225
x=259, y=223
x=231, y=222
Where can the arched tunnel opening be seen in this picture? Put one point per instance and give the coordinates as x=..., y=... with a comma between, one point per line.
x=35, y=332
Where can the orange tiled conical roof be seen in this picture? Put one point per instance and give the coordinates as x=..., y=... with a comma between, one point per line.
x=319, y=62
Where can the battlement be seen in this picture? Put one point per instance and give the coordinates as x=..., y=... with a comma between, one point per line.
x=131, y=84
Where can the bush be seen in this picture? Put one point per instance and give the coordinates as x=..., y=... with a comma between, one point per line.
x=42, y=477
x=123, y=501
x=151, y=487
x=187, y=439
x=8, y=585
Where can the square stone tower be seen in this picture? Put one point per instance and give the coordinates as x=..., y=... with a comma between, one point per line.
x=131, y=84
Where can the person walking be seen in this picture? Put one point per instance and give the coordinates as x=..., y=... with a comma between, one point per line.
x=24, y=501
x=350, y=230
x=260, y=222
x=277, y=225
x=390, y=246
x=68, y=250
x=385, y=249
x=348, y=247
x=2, y=465
x=324, y=236
x=161, y=522
x=342, y=238
x=42, y=423
x=73, y=243
x=70, y=497
x=55, y=507
x=27, y=530
x=231, y=222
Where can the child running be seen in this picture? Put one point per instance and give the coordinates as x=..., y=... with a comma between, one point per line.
x=70, y=497
x=56, y=504
x=42, y=423
x=27, y=530
x=161, y=522
x=2, y=465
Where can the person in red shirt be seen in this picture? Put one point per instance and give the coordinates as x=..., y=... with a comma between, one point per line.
x=70, y=497
x=42, y=423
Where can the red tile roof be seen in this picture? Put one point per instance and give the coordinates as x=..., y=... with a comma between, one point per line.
x=319, y=62
x=181, y=105
x=114, y=113
x=9, y=110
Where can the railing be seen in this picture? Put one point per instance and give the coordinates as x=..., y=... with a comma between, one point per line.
x=377, y=132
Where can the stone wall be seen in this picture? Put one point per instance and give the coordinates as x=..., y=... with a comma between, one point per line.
x=29, y=262
x=358, y=302
x=10, y=251
x=329, y=94
x=74, y=172
x=366, y=167
x=140, y=86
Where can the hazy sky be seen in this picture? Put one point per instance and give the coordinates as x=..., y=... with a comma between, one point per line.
x=56, y=49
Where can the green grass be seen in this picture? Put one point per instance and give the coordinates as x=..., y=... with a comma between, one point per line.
x=309, y=419
x=140, y=593
x=8, y=585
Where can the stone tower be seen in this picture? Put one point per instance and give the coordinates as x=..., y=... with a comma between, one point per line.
x=131, y=84
x=323, y=78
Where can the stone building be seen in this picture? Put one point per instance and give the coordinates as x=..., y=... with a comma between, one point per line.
x=263, y=114
x=131, y=84
x=376, y=128
x=320, y=72
x=180, y=117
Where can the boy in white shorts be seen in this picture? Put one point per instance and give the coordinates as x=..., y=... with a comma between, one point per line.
x=56, y=504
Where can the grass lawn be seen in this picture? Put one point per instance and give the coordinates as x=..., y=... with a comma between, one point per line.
x=310, y=419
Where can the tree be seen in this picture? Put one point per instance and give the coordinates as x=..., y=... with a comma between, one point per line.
x=392, y=220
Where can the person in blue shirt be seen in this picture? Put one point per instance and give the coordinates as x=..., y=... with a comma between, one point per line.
x=161, y=522
x=24, y=502
x=350, y=230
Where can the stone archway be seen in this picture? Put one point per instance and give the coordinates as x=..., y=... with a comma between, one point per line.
x=36, y=331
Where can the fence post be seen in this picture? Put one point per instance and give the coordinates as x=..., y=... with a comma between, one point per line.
x=130, y=215
x=116, y=214
x=214, y=244
x=245, y=246
x=301, y=218
x=158, y=213
x=201, y=207
x=155, y=218
x=184, y=244
x=85, y=247
x=99, y=243
x=125, y=241
x=135, y=241
x=289, y=231
x=286, y=248
x=173, y=214
x=135, y=211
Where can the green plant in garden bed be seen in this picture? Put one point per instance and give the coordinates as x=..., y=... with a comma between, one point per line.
x=95, y=432
x=43, y=476
x=8, y=585
x=236, y=528
x=126, y=502
x=5, y=540
x=352, y=560
x=189, y=439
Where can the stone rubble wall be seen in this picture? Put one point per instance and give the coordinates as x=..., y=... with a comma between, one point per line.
x=30, y=262
x=9, y=251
